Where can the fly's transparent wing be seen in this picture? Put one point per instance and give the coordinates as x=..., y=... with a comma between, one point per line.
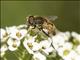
x=51, y=18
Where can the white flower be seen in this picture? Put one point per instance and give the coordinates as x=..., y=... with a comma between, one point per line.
x=28, y=47
x=13, y=32
x=65, y=35
x=13, y=44
x=12, y=41
x=78, y=49
x=46, y=46
x=60, y=39
x=3, y=49
x=21, y=26
x=65, y=49
x=3, y=35
x=48, y=50
x=10, y=29
x=12, y=48
x=71, y=56
x=16, y=33
x=77, y=57
x=38, y=56
x=23, y=32
x=68, y=53
x=57, y=41
x=68, y=46
x=28, y=44
x=36, y=46
x=45, y=43
x=76, y=36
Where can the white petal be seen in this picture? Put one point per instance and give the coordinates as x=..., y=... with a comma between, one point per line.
x=4, y=39
x=2, y=54
x=12, y=41
x=48, y=50
x=36, y=46
x=39, y=56
x=27, y=47
x=76, y=36
x=78, y=49
x=71, y=55
x=23, y=33
x=58, y=41
x=13, y=34
x=21, y=26
x=68, y=46
x=77, y=57
x=4, y=48
x=3, y=35
x=45, y=43
x=10, y=29
x=11, y=48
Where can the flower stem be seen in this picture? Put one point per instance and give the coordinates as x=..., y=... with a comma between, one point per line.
x=18, y=53
x=19, y=57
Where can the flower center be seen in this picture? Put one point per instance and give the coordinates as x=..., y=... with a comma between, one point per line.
x=66, y=52
x=18, y=34
x=30, y=45
x=43, y=47
x=14, y=44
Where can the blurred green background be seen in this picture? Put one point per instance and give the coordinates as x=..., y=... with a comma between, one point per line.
x=15, y=12
x=68, y=12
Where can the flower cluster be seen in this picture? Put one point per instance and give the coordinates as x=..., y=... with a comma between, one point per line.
x=65, y=45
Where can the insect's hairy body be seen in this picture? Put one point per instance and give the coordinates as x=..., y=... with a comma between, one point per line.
x=42, y=24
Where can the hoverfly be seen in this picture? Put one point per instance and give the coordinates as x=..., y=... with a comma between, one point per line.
x=43, y=24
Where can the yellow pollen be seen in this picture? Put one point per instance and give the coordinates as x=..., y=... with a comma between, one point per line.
x=66, y=52
x=30, y=45
x=14, y=44
x=18, y=34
